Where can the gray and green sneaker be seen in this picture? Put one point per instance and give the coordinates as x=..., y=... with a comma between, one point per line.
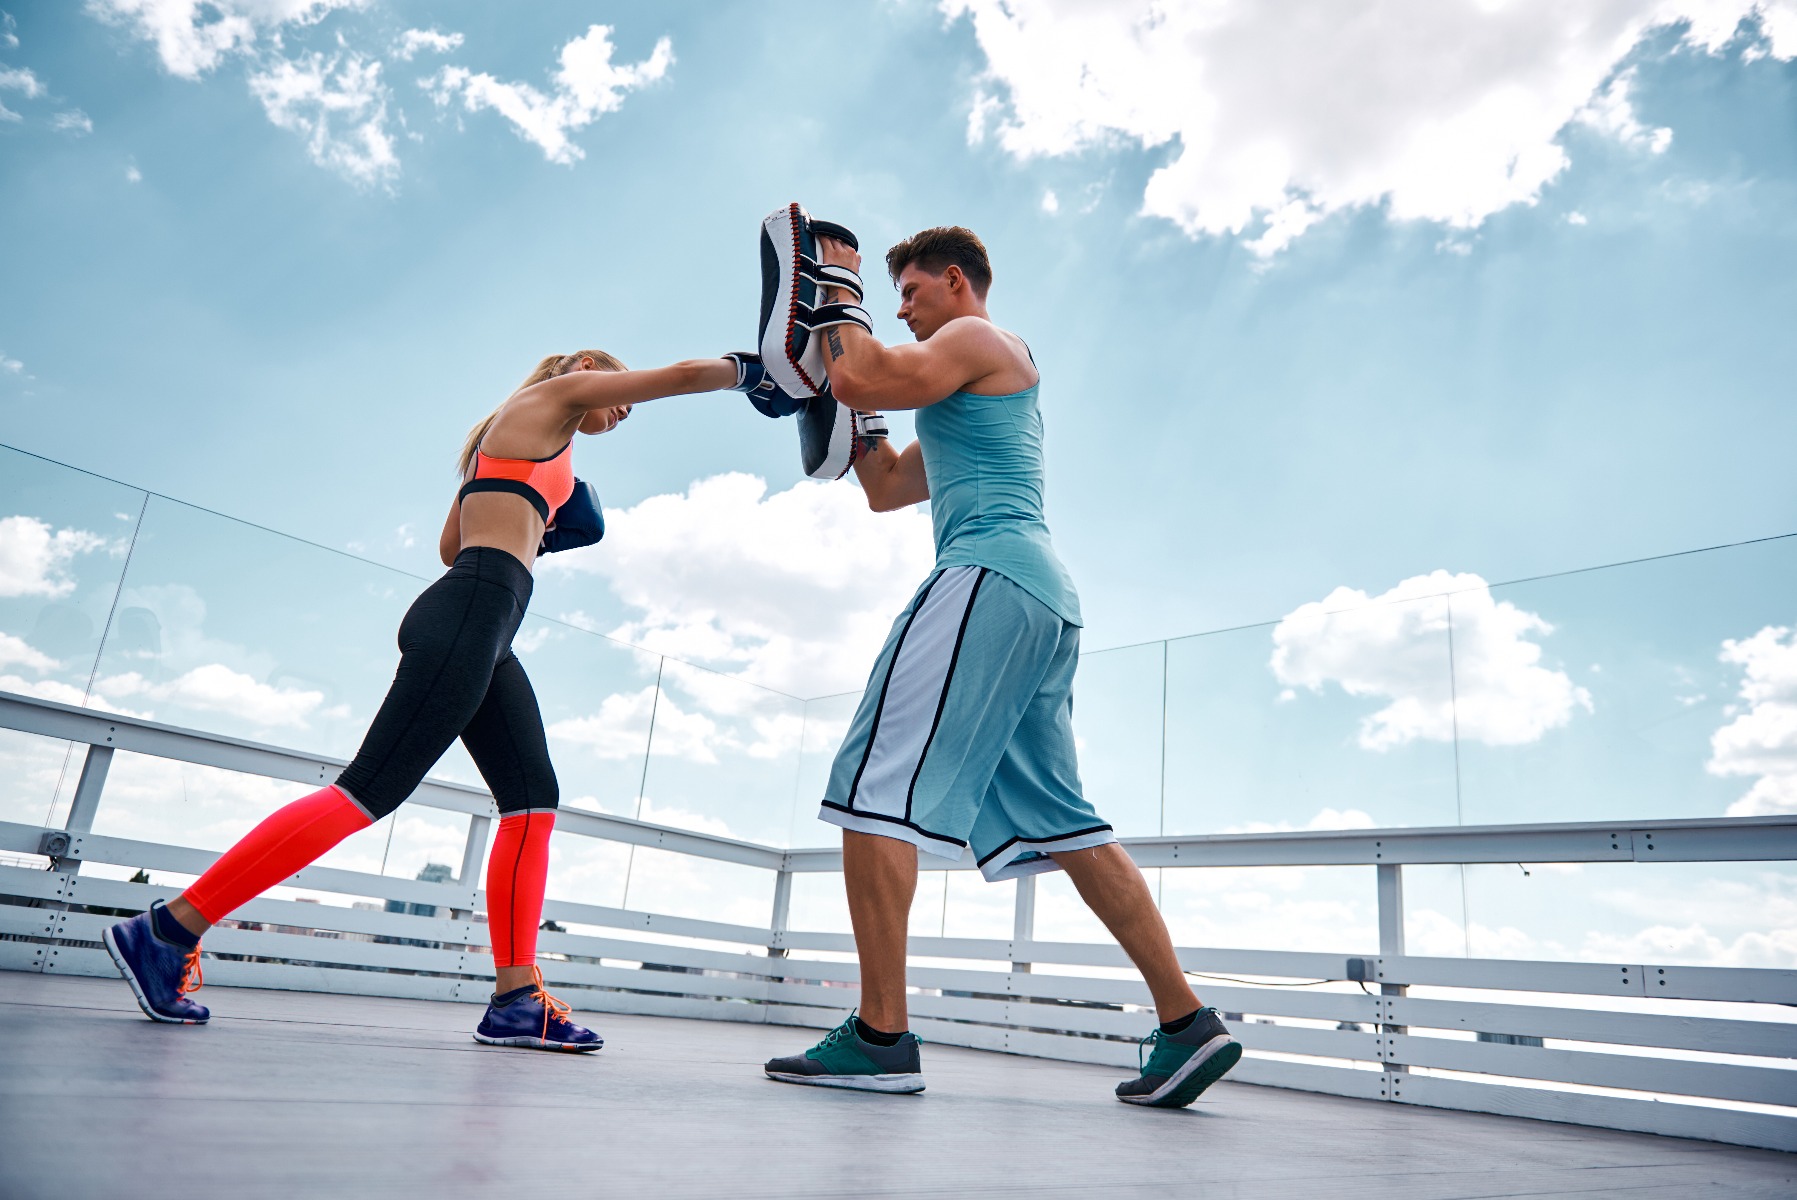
x=1183, y=1064
x=843, y=1060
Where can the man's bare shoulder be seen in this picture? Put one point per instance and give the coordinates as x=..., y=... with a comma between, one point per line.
x=997, y=360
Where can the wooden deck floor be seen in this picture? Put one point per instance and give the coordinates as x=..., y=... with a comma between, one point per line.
x=297, y=1095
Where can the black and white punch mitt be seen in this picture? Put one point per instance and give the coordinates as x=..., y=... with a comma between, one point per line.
x=793, y=313
x=833, y=437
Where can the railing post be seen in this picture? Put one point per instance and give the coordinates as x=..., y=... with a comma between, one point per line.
x=1391, y=945
x=781, y=914
x=473, y=850
x=1023, y=923
x=87, y=799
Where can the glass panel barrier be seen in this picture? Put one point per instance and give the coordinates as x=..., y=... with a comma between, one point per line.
x=1322, y=721
x=826, y=724
x=1117, y=723
x=237, y=631
x=1661, y=690
x=65, y=536
x=724, y=756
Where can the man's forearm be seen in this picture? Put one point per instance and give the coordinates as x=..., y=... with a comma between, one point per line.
x=877, y=472
x=854, y=359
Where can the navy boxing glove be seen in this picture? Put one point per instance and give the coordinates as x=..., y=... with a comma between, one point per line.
x=579, y=522
x=752, y=379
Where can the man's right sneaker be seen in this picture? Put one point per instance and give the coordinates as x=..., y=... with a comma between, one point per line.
x=160, y=973
x=1183, y=1064
x=844, y=1060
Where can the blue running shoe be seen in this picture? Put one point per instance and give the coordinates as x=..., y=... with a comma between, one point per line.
x=160, y=973
x=534, y=1019
x=844, y=1060
x=1183, y=1064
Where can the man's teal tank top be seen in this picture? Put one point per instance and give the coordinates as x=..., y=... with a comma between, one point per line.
x=983, y=458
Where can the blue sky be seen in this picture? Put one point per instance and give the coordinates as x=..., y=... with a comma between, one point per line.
x=1320, y=304
x=257, y=333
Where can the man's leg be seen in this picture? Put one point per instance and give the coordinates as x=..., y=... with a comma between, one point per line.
x=1112, y=886
x=871, y=1051
x=1192, y=1048
x=881, y=876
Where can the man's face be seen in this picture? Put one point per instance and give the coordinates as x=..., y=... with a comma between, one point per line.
x=926, y=301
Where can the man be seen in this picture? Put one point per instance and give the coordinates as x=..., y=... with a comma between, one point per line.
x=964, y=735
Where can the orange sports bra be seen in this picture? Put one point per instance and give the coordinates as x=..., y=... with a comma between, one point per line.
x=545, y=482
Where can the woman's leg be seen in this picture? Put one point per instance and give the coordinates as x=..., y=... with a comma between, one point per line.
x=448, y=643
x=505, y=739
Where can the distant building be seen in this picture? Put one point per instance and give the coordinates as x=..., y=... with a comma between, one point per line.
x=430, y=873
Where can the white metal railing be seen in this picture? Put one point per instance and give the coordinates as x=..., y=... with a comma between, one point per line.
x=1675, y=1072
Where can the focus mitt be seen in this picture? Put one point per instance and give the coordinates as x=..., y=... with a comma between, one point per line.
x=834, y=437
x=793, y=311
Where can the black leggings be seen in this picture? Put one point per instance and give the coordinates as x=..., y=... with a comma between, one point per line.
x=458, y=677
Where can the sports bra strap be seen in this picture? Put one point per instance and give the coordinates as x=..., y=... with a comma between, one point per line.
x=516, y=487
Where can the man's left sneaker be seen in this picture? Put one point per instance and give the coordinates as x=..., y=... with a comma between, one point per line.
x=1183, y=1064
x=160, y=973
x=529, y=1016
x=843, y=1060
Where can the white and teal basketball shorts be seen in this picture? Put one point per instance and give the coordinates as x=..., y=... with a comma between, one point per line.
x=965, y=733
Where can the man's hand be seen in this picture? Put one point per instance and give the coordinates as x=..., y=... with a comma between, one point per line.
x=834, y=252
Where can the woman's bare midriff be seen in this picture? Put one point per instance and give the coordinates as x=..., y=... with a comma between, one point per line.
x=504, y=521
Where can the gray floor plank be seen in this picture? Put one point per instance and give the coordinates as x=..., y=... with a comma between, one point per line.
x=298, y=1095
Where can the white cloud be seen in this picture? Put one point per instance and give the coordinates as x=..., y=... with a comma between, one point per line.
x=9, y=35
x=1695, y=944
x=74, y=121
x=219, y=689
x=33, y=557
x=132, y=174
x=11, y=366
x=43, y=689
x=794, y=590
x=1577, y=218
x=415, y=41
x=587, y=85
x=1762, y=740
x=1395, y=646
x=1051, y=203
x=621, y=726
x=1612, y=112
x=1280, y=114
x=22, y=80
x=193, y=36
x=339, y=105
x=17, y=652
x=1328, y=818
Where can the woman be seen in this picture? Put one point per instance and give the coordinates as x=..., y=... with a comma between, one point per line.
x=457, y=677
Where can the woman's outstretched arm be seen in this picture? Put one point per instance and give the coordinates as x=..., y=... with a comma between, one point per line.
x=584, y=391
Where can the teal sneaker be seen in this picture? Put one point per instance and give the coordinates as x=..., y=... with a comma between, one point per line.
x=843, y=1060
x=1183, y=1064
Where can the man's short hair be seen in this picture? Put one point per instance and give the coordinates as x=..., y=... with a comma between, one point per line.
x=935, y=250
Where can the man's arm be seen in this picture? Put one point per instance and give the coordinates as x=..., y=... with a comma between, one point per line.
x=892, y=479
x=869, y=376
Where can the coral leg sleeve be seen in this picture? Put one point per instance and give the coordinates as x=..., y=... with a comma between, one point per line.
x=287, y=840
x=516, y=873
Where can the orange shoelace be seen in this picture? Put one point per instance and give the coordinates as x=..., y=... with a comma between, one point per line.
x=191, y=978
x=550, y=1003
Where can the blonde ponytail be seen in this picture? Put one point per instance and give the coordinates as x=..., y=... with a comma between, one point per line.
x=549, y=368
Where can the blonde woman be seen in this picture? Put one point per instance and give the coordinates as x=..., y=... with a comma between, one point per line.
x=457, y=677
